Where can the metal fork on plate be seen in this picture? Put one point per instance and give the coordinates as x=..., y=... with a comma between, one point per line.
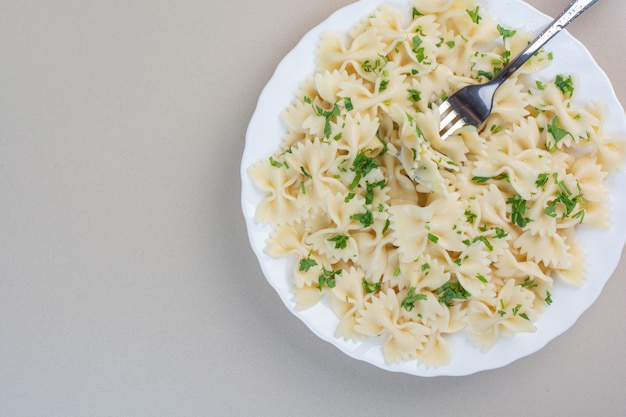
x=472, y=105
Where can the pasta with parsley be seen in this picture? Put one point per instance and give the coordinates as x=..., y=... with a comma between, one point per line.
x=412, y=238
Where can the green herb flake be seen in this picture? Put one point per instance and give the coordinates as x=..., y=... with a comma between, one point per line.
x=518, y=209
x=542, y=179
x=500, y=233
x=275, y=163
x=305, y=172
x=557, y=133
x=361, y=166
x=529, y=283
x=328, y=115
x=366, y=219
x=414, y=95
x=480, y=180
x=408, y=303
x=433, y=238
x=451, y=291
x=369, y=193
x=370, y=287
x=341, y=241
x=566, y=85
x=307, y=263
x=506, y=33
x=470, y=216
x=485, y=241
x=474, y=15
x=347, y=102
x=328, y=278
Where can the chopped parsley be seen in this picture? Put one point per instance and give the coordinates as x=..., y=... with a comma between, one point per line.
x=451, y=291
x=557, y=133
x=414, y=95
x=370, y=287
x=474, y=15
x=366, y=219
x=328, y=278
x=566, y=85
x=566, y=199
x=275, y=163
x=485, y=241
x=506, y=33
x=307, y=263
x=370, y=186
x=341, y=241
x=529, y=283
x=361, y=166
x=408, y=303
x=518, y=209
x=542, y=179
x=347, y=102
x=327, y=115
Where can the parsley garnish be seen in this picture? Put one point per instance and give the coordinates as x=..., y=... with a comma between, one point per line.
x=408, y=303
x=474, y=15
x=370, y=287
x=566, y=85
x=307, y=263
x=347, y=102
x=557, y=133
x=340, y=241
x=369, y=194
x=565, y=197
x=506, y=33
x=451, y=291
x=328, y=115
x=542, y=179
x=485, y=241
x=414, y=95
x=305, y=172
x=275, y=163
x=500, y=233
x=529, y=283
x=361, y=166
x=470, y=216
x=366, y=219
x=518, y=209
x=328, y=278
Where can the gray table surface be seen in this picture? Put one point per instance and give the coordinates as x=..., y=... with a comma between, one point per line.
x=127, y=284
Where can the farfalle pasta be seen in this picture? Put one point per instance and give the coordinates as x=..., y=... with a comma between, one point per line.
x=411, y=238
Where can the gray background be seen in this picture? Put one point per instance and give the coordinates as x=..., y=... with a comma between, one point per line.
x=127, y=285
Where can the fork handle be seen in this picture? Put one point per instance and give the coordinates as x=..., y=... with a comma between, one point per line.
x=575, y=9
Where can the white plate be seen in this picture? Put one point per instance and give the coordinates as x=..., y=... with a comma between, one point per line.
x=603, y=248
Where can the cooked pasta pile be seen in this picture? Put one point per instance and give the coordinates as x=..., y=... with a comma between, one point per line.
x=409, y=237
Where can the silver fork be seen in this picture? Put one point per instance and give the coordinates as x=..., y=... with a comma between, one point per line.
x=472, y=105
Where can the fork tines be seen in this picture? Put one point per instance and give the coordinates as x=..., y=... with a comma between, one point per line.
x=450, y=120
